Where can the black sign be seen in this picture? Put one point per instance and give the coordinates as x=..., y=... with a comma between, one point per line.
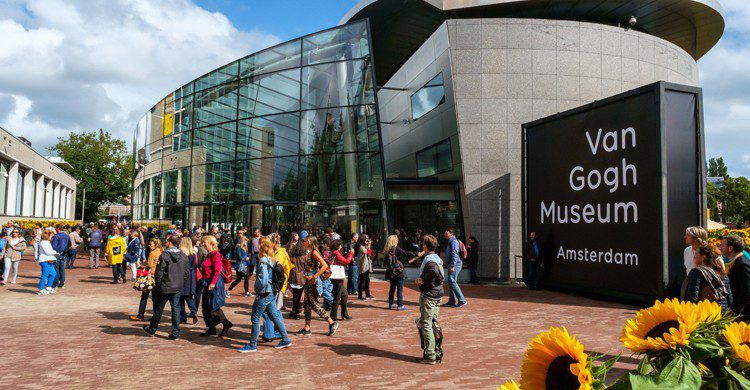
x=598, y=190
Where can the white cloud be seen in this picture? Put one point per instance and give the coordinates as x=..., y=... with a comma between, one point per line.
x=726, y=85
x=81, y=65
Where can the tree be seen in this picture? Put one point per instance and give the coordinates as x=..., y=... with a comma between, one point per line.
x=717, y=168
x=735, y=197
x=102, y=166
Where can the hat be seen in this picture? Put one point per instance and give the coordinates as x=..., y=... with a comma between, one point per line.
x=303, y=234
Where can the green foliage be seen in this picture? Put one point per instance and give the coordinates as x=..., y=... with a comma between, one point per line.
x=102, y=166
x=717, y=168
x=730, y=202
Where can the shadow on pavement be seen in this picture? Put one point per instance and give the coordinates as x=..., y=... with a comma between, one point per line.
x=360, y=349
x=22, y=291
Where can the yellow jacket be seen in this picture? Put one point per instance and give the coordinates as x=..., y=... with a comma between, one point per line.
x=286, y=263
x=115, y=249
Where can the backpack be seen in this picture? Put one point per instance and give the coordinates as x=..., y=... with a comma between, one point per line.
x=278, y=279
x=462, y=253
x=226, y=245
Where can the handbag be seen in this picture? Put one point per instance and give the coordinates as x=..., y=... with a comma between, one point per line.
x=144, y=281
x=337, y=272
x=242, y=268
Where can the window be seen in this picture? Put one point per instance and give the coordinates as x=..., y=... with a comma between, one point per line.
x=435, y=159
x=19, y=193
x=34, y=181
x=428, y=97
x=3, y=186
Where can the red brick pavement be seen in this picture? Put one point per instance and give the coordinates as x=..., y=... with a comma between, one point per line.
x=81, y=338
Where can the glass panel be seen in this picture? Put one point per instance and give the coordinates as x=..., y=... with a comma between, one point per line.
x=199, y=216
x=342, y=176
x=268, y=136
x=212, y=183
x=428, y=97
x=342, y=43
x=219, y=76
x=285, y=56
x=214, y=143
x=269, y=94
x=435, y=159
x=155, y=195
x=215, y=105
x=443, y=155
x=183, y=114
x=339, y=130
x=267, y=179
x=19, y=192
x=187, y=89
x=337, y=84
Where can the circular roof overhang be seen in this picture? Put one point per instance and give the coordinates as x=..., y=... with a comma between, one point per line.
x=400, y=26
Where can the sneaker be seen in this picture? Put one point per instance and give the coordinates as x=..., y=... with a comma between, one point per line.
x=207, y=333
x=304, y=332
x=3, y=283
x=13, y=281
x=461, y=304
x=402, y=308
x=148, y=330
x=226, y=294
x=43, y=292
x=136, y=318
x=392, y=307
x=195, y=319
x=174, y=337
x=370, y=298
x=332, y=328
x=448, y=305
x=225, y=329
x=346, y=317
x=426, y=361
x=283, y=344
x=51, y=290
x=250, y=295
x=248, y=348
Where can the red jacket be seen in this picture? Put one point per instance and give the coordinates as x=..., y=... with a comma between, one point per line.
x=211, y=267
x=341, y=260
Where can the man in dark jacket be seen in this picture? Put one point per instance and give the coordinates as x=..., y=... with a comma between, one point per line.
x=738, y=269
x=171, y=272
x=534, y=260
x=430, y=284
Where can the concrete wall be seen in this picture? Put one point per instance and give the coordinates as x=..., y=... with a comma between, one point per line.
x=507, y=72
x=20, y=156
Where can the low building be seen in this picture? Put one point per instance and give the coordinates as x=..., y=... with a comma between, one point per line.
x=31, y=186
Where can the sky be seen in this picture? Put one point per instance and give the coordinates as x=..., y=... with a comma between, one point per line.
x=81, y=65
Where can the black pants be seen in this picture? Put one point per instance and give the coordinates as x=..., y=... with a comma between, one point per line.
x=296, y=298
x=534, y=274
x=212, y=318
x=118, y=271
x=160, y=300
x=364, y=284
x=339, y=299
x=242, y=278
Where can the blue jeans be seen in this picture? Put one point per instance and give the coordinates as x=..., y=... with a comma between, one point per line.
x=455, y=294
x=160, y=300
x=48, y=275
x=269, y=329
x=142, y=304
x=71, y=258
x=351, y=285
x=325, y=290
x=60, y=268
x=190, y=300
x=266, y=303
x=397, y=286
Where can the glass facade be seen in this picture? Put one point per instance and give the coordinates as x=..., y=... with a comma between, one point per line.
x=284, y=137
x=428, y=97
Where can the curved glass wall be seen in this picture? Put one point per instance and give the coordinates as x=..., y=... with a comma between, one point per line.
x=281, y=138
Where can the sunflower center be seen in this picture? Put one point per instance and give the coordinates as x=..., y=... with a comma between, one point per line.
x=559, y=376
x=657, y=332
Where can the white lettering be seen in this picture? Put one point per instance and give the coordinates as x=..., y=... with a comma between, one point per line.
x=594, y=146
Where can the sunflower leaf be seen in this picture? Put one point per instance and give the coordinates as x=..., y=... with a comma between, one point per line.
x=738, y=378
x=702, y=348
x=645, y=367
x=681, y=372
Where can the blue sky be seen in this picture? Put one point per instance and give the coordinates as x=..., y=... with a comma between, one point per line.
x=72, y=65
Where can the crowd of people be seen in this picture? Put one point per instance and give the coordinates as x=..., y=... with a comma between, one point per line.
x=195, y=271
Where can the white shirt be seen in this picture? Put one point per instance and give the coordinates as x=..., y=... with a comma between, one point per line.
x=688, y=255
x=46, y=253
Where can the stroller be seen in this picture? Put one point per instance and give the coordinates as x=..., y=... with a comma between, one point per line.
x=438, y=332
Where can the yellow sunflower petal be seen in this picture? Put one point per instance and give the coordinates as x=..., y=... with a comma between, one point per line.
x=548, y=351
x=509, y=385
x=666, y=325
x=738, y=336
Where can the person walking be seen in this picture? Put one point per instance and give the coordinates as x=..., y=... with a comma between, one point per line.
x=340, y=295
x=187, y=296
x=472, y=259
x=95, y=247
x=46, y=258
x=325, y=286
x=133, y=253
x=270, y=331
x=265, y=300
x=37, y=239
x=211, y=277
x=314, y=267
x=352, y=284
x=171, y=273
x=61, y=245
x=115, y=252
x=364, y=266
x=738, y=270
x=706, y=280
x=535, y=261
x=242, y=265
x=150, y=265
x=75, y=242
x=395, y=271
x=14, y=248
x=453, y=262
x=430, y=283
x=298, y=255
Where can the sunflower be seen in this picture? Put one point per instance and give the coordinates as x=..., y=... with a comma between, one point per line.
x=555, y=361
x=738, y=336
x=666, y=325
x=707, y=311
x=509, y=385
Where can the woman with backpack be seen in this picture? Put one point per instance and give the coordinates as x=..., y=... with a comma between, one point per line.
x=187, y=296
x=241, y=265
x=364, y=266
x=707, y=280
x=270, y=331
x=133, y=252
x=212, y=278
x=265, y=300
x=314, y=267
x=339, y=292
x=395, y=271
